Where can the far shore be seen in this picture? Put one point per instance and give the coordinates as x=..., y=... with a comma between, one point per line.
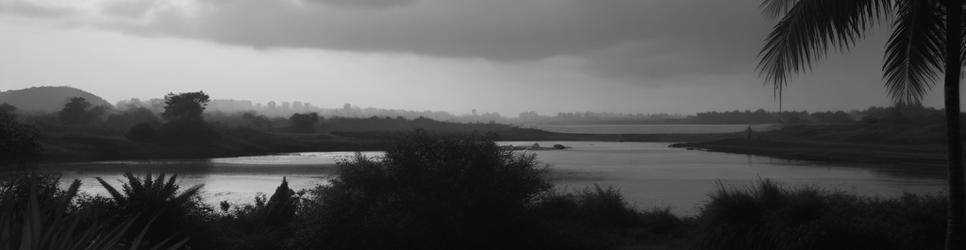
x=83, y=148
x=877, y=146
x=782, y=144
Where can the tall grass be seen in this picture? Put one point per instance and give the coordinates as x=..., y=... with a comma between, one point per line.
x=770, y=216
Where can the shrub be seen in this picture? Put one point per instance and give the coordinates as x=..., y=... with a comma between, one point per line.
x=427, y=193
x=159, y=198
x=599, y=218
x=769, y=216
x=267, y=224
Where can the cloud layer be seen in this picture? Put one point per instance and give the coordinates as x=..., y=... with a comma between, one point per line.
x=634, y=39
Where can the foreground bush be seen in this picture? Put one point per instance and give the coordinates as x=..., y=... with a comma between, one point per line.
x=36, y=214
x=599, y=218
x=266, y=224
x=428, y=193
x=181, y=214
x=769, y=216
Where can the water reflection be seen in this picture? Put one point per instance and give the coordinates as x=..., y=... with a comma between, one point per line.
x=648, y=174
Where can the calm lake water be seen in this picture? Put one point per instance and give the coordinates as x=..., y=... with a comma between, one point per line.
x=652, y=128
x=648, y=174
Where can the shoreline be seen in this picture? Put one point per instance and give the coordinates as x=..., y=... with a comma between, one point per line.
x=932, y=157
x=64, y=148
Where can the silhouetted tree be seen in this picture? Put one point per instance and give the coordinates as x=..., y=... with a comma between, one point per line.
x=304, y=122
x=78, y=111
x=185, y=107
x=927, y=40
x=18, y=142
x=184, y=122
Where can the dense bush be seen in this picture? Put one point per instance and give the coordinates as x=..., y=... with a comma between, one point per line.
x=769, y=216
x=599, y=218
x=427, y=193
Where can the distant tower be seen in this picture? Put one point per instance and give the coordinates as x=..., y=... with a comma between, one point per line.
x=474, y=112
x=271, y=105
x=347, y=106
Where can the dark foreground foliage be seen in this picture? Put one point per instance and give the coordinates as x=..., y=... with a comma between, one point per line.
x=428, y=193
x=769, y=216
x=432, y=192
x=37, y=214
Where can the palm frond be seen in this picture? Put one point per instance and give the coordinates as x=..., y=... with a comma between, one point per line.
x=133, y=184
x=111, y=190
x=776, y=8
x=187, y=194
x=148, y=182
x=914, y=54
x=809, y=29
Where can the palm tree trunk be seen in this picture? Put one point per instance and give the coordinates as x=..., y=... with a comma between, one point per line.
x=954, y=143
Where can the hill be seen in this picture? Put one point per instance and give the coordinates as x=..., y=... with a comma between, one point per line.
x=47, y=98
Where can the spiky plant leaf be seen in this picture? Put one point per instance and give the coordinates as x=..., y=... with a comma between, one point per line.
x=914, y=54
x=809, y=29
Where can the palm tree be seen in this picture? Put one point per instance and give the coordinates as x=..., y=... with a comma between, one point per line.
x=927, y=38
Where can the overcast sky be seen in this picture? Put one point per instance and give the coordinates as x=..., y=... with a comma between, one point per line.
x=507, y=56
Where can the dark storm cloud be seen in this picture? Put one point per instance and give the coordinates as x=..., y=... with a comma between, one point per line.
x=633, y=38
x=637, y=39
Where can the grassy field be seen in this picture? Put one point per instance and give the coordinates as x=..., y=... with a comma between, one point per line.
x=892, y=144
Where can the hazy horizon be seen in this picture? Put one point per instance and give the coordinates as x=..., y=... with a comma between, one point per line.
x=620, y=56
